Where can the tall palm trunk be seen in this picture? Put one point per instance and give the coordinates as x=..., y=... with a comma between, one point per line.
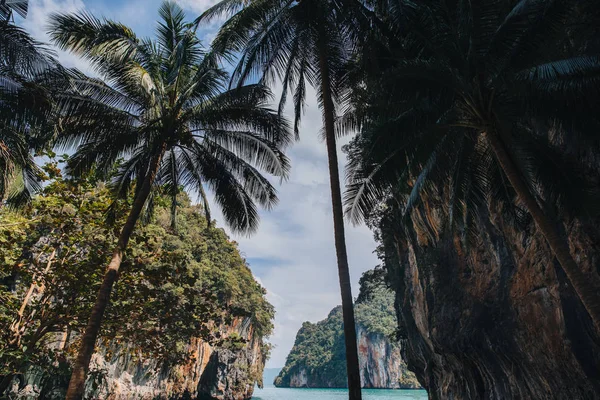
x=88, y=341
x=352, y=366
x=583, y=286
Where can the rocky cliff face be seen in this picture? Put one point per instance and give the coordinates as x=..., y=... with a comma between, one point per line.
x=381, y=363
x=381, y=367
x=318, y=359
x=379, y=359
x=211, y=373
x=497, y=319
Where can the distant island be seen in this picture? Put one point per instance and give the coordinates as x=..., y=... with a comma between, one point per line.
x=317, y=359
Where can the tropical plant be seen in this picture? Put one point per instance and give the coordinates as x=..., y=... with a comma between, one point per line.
x=297, y=43
x=469, y=104
x=7, y=7
x=165, y=111
x=176, y=285
x=26, y=68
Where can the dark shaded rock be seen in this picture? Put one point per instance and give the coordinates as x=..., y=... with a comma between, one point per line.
x=211, y=373
x=497, y=319
x=228, y=375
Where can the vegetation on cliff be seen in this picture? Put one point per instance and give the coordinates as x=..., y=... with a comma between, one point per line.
x=178, y=285
x=318, y=351
x=470, y=115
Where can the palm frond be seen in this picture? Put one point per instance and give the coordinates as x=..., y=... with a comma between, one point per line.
x=104, y=42
x=28, y=183
x=239, y=210
x=167, y=99
x=8, y=6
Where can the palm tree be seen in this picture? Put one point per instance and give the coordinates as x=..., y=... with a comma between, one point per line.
x=7, y=7
x=298, y=42
x=26, y=69
x=466, y=90
x=164, y=110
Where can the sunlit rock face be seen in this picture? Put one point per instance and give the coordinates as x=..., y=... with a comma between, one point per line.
x=381, y=364
x=497, y=319
x=379, y=361
x=210, y=373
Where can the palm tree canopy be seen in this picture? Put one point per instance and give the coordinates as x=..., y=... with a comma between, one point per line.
x=454, y=72
x=299, y=43
x=279, y=40
x=167, y=97
x=27, y=69
x=8, y=6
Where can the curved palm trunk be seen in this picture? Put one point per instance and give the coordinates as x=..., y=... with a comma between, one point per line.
x=352, y=366
x=88, y=341
x=583, y=286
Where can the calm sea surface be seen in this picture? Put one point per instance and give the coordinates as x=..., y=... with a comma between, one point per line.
x=272, y=393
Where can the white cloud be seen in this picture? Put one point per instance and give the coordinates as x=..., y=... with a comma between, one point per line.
x=36, y=24
x=138, y=14
x=197, y=5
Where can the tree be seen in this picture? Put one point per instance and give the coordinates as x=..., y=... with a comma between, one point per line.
x=175, y=286
x=472, y=99
x=8, y=7
x=298, y=42
x=26, y=69
x=164, y=110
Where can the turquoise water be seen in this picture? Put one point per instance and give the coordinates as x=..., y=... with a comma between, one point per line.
x=272, y=393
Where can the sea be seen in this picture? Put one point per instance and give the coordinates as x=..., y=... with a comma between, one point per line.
x=273, y=393
x=270, y=392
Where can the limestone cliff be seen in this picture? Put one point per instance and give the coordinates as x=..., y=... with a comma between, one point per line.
x=381, y=364
x=318, y=359
x=186, y=319
x=496, y=319
x=211, y=372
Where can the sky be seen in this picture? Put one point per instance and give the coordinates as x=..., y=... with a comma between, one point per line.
x=292, y=255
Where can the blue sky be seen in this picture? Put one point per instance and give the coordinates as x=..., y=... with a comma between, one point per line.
x=292, y=255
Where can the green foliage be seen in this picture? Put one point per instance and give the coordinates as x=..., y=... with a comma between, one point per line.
x=448, y=81
x=176, y=284
x=319, y=348
x=375, y=305
x=27, y=71
x=233, y=342
x=177, y=122
x=52, y=262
